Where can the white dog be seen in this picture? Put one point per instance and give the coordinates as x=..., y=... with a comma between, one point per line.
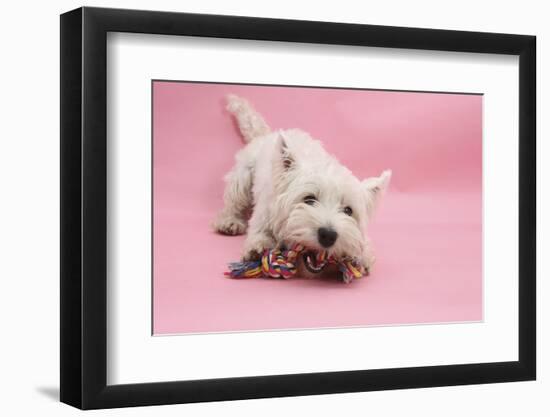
x=285, y=188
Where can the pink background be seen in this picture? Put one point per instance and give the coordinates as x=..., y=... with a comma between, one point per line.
x=427, y=233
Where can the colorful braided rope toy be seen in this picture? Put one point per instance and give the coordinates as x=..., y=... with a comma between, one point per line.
x=277, y=263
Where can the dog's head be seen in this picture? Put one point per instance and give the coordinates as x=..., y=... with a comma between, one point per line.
x=319, y=202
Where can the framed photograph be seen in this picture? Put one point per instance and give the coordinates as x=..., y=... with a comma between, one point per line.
x=258, y=208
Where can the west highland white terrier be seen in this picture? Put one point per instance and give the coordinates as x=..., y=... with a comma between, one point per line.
x=285, y=188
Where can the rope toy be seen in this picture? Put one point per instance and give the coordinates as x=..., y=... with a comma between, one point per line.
x=282, y=263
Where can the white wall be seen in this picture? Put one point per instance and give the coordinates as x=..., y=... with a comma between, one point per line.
x=29, y=212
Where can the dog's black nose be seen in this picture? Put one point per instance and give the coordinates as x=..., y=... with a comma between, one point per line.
x=326, y=237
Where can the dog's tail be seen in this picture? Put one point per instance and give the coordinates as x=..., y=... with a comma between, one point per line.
x=250, y=122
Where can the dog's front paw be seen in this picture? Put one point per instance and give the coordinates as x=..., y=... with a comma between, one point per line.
x=229, y=225
x=255, y=246
x=367, y=262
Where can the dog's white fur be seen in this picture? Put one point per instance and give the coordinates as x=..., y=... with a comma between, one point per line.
x=272, y=176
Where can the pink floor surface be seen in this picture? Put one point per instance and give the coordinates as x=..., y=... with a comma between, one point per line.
x=427, y=234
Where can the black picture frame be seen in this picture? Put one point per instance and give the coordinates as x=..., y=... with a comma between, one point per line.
x=84, y=197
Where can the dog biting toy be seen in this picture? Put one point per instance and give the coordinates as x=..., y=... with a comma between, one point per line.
x=282, y=263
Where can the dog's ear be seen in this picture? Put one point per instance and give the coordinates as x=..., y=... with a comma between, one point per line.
x=286, y=158
x=374, y=188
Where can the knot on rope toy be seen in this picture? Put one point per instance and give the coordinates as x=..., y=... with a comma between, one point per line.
x=282, y=263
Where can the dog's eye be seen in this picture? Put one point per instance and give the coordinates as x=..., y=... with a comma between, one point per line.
x=310, y=199
x=348, y=210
